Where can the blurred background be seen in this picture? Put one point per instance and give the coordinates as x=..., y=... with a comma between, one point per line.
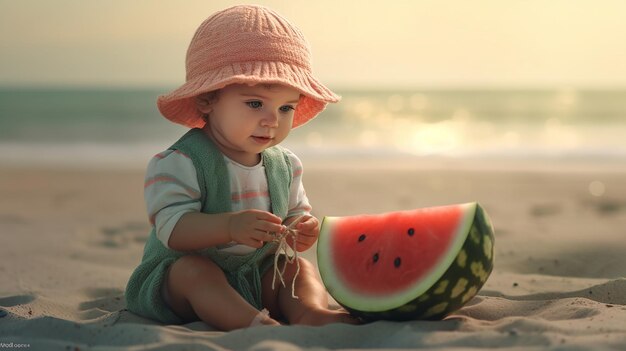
x=453, y=81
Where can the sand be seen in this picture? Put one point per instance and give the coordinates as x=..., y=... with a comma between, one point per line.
x=70, y=239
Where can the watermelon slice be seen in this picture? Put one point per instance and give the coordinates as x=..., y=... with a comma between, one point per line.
x=418, y=264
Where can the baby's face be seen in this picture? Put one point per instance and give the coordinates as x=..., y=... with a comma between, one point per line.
x=248, y=119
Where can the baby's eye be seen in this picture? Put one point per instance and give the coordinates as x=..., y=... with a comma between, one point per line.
x=287, y=108
x=254, y=104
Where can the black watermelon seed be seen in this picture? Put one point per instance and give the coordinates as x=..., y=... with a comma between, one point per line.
x=397, y=262
x=362, y=237
x=376, y=257
x=411, y=231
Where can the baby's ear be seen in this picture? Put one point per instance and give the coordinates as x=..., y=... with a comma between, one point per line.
x=203, y=103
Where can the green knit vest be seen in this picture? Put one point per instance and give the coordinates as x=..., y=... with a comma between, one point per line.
x=143, y=291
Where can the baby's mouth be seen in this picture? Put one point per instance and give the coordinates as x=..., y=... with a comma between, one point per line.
x=262, y=139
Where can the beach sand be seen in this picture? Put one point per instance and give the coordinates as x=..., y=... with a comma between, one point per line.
x=70, y=239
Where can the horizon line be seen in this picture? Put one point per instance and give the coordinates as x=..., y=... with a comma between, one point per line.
x=340, y=87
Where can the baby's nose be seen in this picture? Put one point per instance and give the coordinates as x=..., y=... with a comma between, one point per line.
x=270, y=120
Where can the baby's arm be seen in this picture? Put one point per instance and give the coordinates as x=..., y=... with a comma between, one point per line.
x=173, y=201
x=190, y=232
x=308, y=228
x=197, y=230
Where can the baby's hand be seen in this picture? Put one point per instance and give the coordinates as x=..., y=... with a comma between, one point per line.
x=308, y=231
x=253, y=227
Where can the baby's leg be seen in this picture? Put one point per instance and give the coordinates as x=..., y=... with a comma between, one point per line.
x=311, y=307
x=198, y=289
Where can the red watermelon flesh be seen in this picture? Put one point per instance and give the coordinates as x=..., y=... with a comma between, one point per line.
x=407, y=246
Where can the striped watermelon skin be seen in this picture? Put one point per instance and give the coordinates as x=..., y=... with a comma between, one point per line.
x=460, y=282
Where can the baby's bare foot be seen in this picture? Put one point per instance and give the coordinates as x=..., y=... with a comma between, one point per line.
x=319, y=317
x=263, y=318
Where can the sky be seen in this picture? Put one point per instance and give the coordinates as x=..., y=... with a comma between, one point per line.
x=356, y=44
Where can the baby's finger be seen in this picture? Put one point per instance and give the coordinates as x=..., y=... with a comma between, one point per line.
x=307, y=239
x=264, y=236
x=268, y=217
x=307, y=226
x=252, y=242
x=270, y=227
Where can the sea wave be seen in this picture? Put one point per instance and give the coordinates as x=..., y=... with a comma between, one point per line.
x=136, y=156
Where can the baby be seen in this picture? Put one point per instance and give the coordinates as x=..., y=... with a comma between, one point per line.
x=219, y=198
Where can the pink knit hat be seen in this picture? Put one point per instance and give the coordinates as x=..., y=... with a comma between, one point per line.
x=247, y=44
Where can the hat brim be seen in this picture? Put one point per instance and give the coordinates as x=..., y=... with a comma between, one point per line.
x=179, y=106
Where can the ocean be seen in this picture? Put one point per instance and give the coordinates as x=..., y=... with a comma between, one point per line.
x=109, y=127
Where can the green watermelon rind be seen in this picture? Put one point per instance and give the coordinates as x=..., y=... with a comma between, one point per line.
x=374, y=303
